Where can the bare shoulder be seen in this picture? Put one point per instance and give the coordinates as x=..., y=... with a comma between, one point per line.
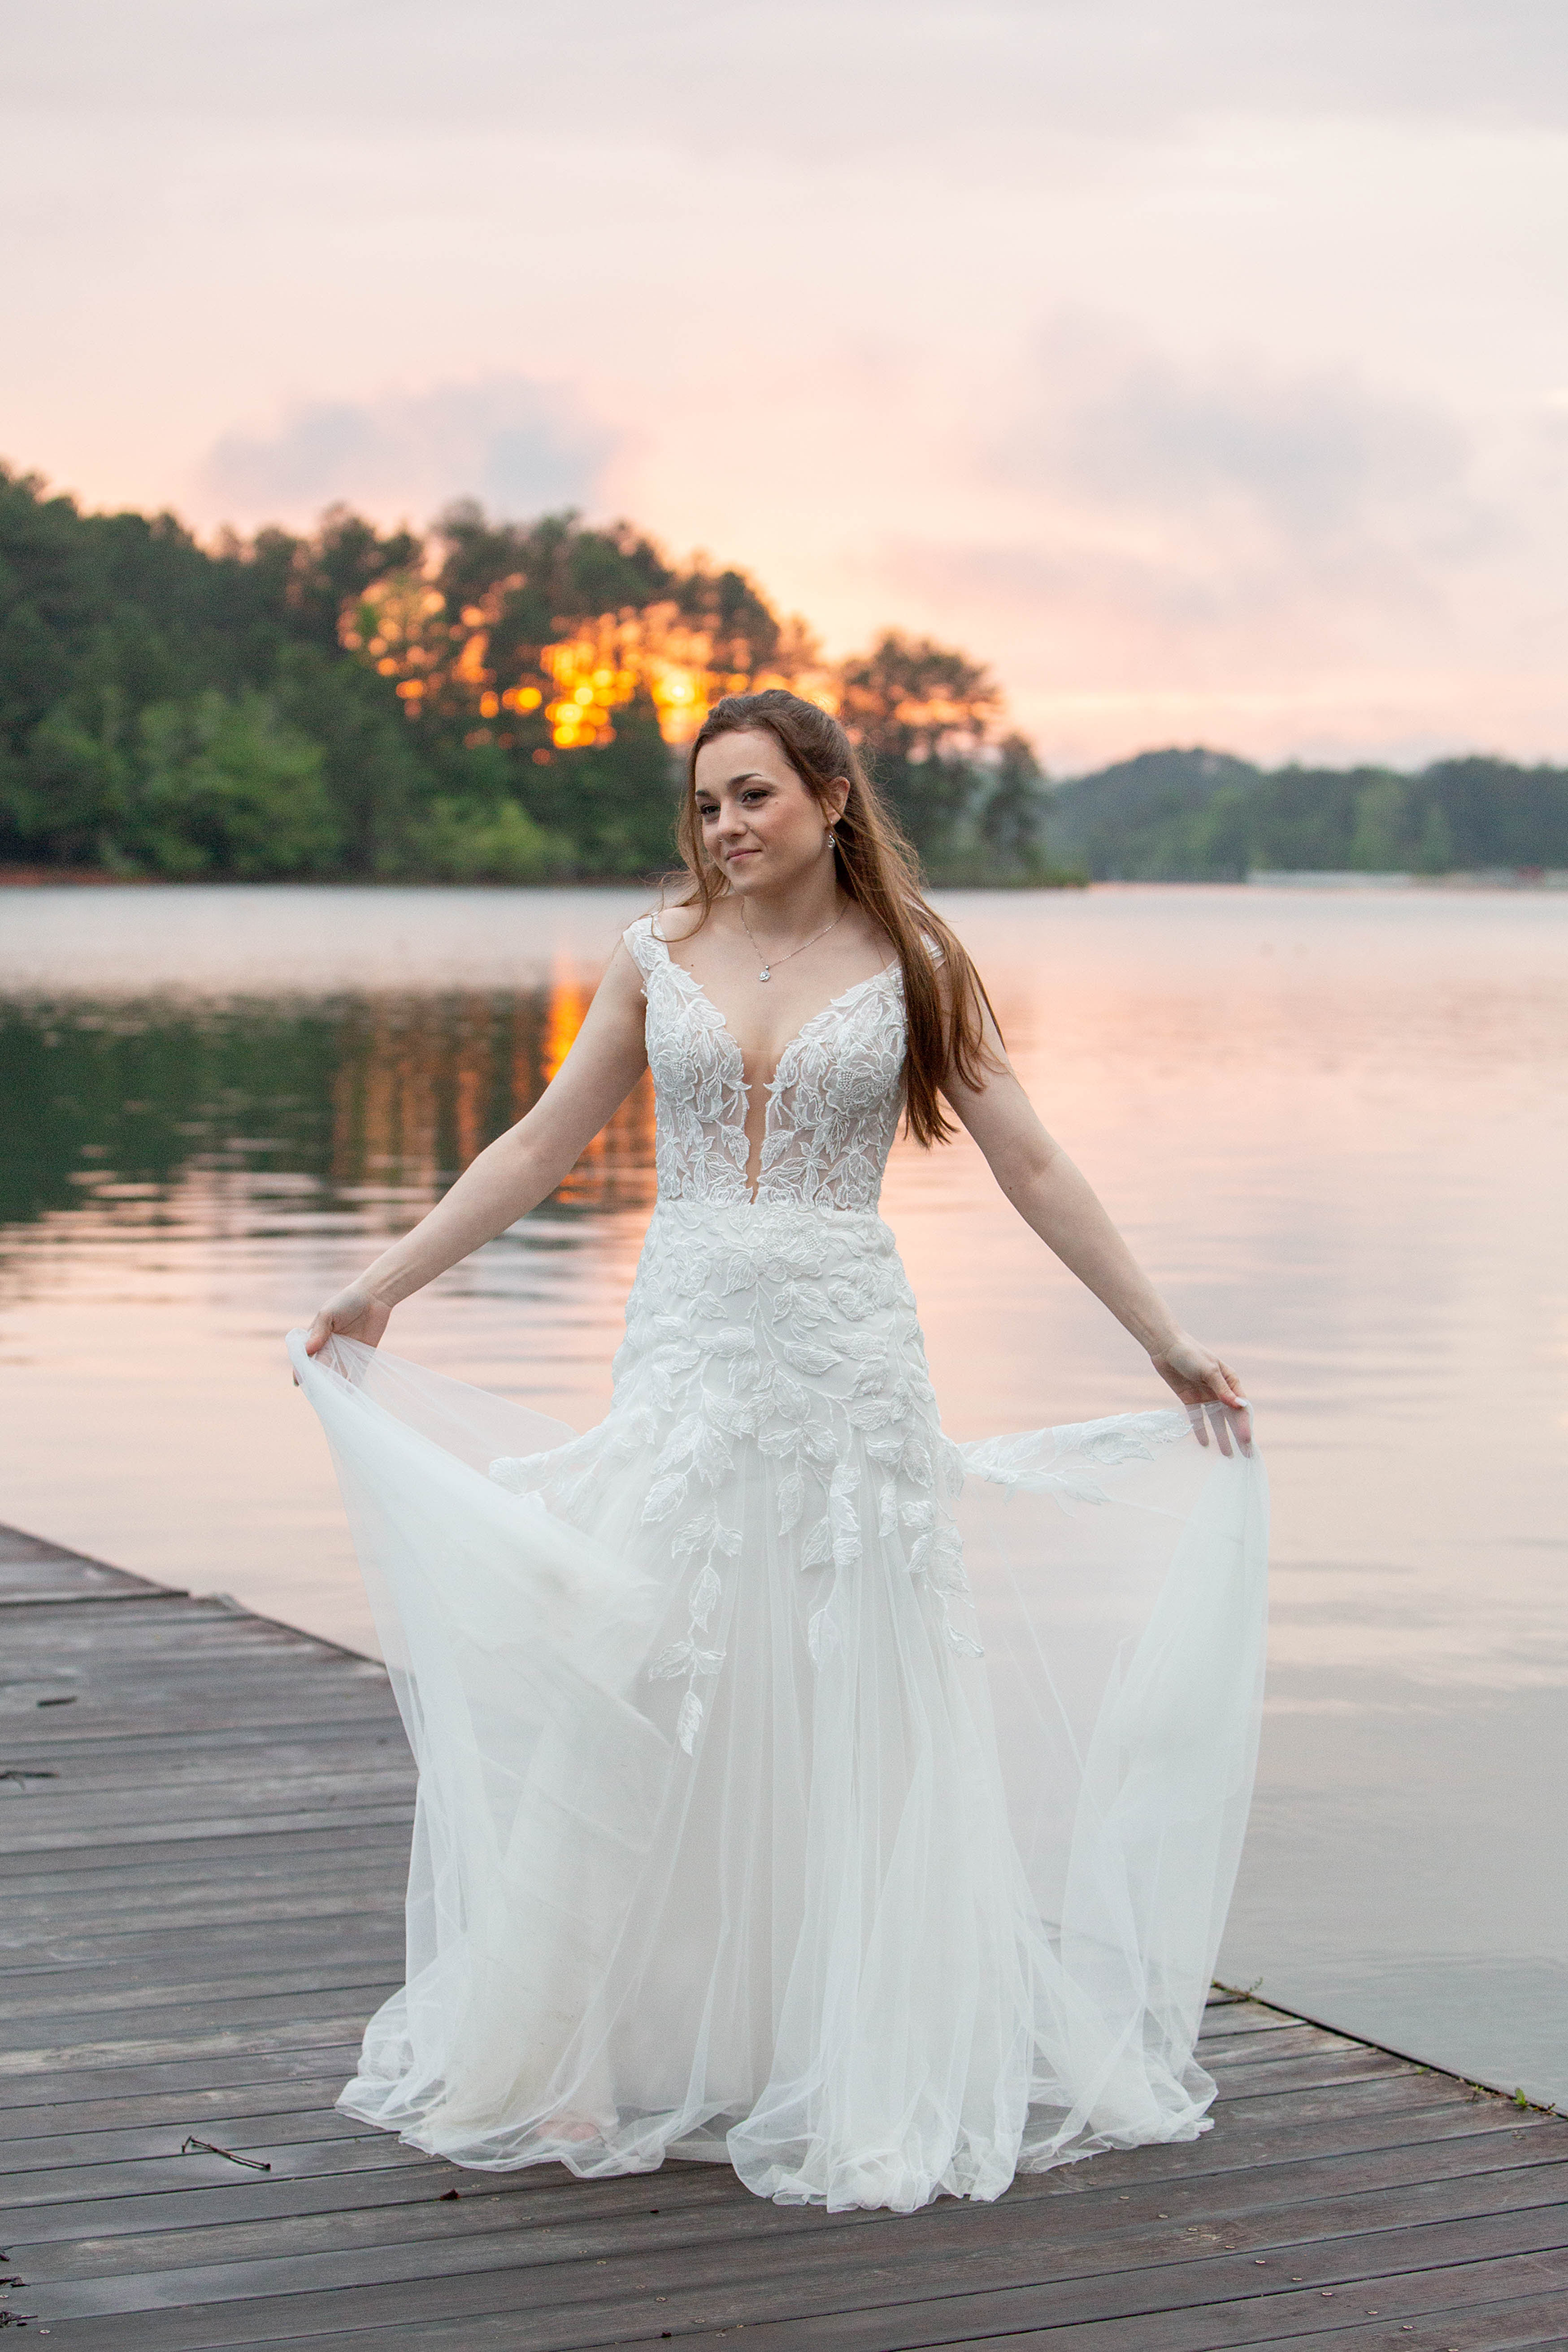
x=678, y=922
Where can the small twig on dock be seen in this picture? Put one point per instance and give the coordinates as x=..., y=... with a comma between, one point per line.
x=208, y=2148
x=13, y=1772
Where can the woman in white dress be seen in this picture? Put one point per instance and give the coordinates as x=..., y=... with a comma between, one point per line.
x=797, y=1789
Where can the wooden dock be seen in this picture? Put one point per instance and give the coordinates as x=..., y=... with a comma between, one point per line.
x=205, y=1830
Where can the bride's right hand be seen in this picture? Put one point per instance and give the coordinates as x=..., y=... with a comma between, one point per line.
x=354, y=1314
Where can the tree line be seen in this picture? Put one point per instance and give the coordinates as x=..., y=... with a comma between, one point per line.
x=489, y=701
x=496, y=701
x=1199, y=815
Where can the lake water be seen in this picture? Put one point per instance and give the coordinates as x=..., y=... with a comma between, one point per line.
x=1332, y=1125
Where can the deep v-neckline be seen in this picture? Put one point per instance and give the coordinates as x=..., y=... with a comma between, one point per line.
x=770, y=1086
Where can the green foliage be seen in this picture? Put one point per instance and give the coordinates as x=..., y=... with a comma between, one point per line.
x=615, y=803
x=370, y=768
x=178, y=709
x=1200, y=816
x=470, y=841
x=221, y=787
x=920, y=712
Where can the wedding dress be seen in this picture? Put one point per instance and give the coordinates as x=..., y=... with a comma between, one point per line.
x=797, y=1789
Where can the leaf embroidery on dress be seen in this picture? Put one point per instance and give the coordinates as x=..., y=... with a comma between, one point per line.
x=823, y=1638
x=798, y=1359
x=704, y=1597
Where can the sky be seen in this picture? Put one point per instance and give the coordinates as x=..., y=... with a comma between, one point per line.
x=1200, y=364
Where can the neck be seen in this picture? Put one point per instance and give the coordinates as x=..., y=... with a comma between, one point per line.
x=798, y=908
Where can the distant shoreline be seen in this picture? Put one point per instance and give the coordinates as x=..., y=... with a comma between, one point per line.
x=93, y=877
x=1502, y=878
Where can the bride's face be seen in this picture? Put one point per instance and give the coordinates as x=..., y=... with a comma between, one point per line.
x=761, y=825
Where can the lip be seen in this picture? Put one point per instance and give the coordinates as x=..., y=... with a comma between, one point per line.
x=733, y=856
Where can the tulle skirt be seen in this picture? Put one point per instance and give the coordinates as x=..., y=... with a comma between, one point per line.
x=797, y=1790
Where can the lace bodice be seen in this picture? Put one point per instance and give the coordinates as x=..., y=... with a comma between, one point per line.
x=834, y=1101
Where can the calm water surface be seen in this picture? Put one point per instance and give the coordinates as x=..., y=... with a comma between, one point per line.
x=1333, y=1126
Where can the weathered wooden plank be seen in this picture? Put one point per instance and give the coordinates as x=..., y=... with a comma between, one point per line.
x=226, y=1789
x=180, y=1637
x=303, y=2095
x=332, y=2213
x=1192, y=2163
x=934, y=2301
x=1317, y=2072
x=60, y=1598
x=300, y=2034
x=1010, y=2244
x=567, y=2226
x=331, y=2015
x=279, y=1822
x=250, y=2199
x=28, y=1565
x=1510, y=2326
x=235, y=1917
x=121, y=2143
x=186, y=2069
x=175, y=1767
x=1393, y=2092
x=1229, y=2019
x=105, y=1871
x=184, y=1953
x=190, y=1711
x=1524, y=2319
x=61, y=1996
x=319, y=1696
x=135, y=2177
x=1230, y=2056
x=158, y=1746
x=50, y=1817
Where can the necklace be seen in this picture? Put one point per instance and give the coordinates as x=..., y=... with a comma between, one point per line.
x=767, y=970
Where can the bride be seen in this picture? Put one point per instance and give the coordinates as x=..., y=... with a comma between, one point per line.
x=798, y=1789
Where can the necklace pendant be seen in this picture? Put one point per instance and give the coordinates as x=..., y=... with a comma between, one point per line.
x=766, y=973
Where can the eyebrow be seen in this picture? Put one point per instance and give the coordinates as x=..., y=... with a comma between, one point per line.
x=750, y=776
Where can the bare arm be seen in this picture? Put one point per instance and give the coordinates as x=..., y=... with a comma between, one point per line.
x=516, y=1172
x=1054, y=1198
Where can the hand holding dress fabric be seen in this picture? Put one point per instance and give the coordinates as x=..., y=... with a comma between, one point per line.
x=1208, y=1388
x=355, y=1313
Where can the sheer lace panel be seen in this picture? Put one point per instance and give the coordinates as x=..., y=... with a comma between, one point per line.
x=834, y=1101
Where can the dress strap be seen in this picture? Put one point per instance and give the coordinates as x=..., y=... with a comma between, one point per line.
x=643, y=944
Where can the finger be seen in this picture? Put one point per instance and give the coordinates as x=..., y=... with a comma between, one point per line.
x=1216, y=1413
x=1195, y=1418
x=1239, y=1410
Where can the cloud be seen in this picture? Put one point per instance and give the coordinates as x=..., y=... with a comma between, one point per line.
x=803, y=77
x=1152, y=547
x=519, y=446
x=1313, y=462
x=1232, y=510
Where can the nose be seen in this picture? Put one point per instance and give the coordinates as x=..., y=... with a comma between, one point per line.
x=732, y=821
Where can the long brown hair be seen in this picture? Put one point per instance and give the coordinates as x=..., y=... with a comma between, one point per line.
x=878, y=869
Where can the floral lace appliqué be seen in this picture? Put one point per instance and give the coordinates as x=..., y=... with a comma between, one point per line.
x=834, y=1101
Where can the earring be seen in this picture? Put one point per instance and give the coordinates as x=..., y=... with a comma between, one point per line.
x=832, y=841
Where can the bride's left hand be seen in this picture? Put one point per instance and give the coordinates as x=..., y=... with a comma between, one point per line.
x=1199, y=1378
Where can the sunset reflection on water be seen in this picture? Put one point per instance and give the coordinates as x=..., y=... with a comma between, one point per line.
x=1333, y=1126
